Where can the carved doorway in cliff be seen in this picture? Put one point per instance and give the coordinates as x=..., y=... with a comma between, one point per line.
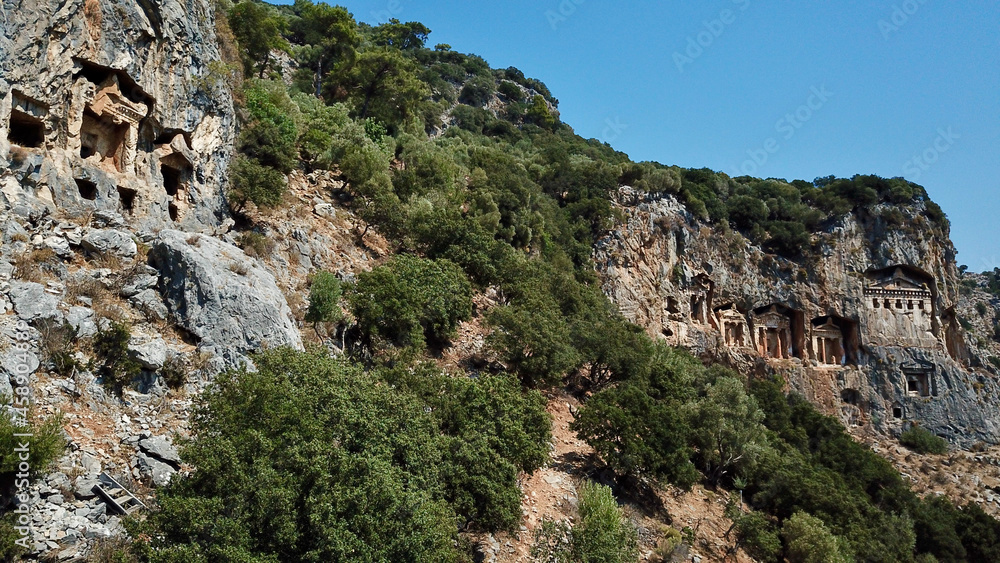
x=25, y=130
x=176, y=172
x=854, y=406
x=778, y=332
x=103, y=139
x=26, y=126
x=834, y=341
x=734, y=326
x=919, y=378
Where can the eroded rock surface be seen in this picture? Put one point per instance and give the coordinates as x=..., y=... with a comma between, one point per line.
x=865, y=327
x=221, y=296
x=114, y=106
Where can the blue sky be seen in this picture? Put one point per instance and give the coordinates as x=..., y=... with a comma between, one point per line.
x=784, y=89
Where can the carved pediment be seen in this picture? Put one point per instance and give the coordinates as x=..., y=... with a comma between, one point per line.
x=772, y=320
x=110, y=102
x=917, y=367
x=897, y=280
x=830, y=329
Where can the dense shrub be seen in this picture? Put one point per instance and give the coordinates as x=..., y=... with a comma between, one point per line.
x=271, y=134
x=324, y=299
x=411, y=301
x=45, y=443
x=922, y=441
x=306, y=459
x=309, y=458
x=602, y=533
x=757, y=535
x=111, y=358
x=539, y=114
x=478, y=91
x=639, y=426
x=251, y=182
x=809, y=541
x=494, y=431
x=511, y=91
x=533, y=341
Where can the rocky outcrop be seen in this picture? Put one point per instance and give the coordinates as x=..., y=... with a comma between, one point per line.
x=114, y=106
x=864, y=324
x=225, y=300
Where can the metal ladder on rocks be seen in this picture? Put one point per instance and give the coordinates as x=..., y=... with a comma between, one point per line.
x=117, y=496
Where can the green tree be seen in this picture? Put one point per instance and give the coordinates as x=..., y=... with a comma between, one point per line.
x=726, y=429
x=808, y=540
x=259, y=29
x=936, y=523
x=306, y=459
x=603, y=534
x=639, y=427
x=271, y=135
x=320, y=125
x=324, y=299
x=382, y=83
x=478, y=91
x=411, y=301
x=533, y=340
x=328, y=36
x=539, y=113
x=409, y=36
x=249, y=181
x=756, y=534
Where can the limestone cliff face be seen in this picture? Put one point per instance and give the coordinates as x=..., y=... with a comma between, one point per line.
x=114, y=106
x=864, y=325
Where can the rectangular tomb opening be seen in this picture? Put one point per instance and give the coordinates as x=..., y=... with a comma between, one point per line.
x=774, y=335
x=25, y=130
x=104, y=139
x=177, y=173
x=87, y=189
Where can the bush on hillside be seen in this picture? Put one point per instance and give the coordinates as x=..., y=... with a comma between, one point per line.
x=923, y=441
x=410, y=302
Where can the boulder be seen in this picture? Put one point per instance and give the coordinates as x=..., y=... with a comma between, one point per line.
x=159, y=471
x=82, y=319
x=110, y=241
x=59, y=245
x=151, y=304
x=85, y=487
x=149, y=352
x=91, y=465
x=161, y=448
x=221, y=296
x=141, y=282
x=33, y=303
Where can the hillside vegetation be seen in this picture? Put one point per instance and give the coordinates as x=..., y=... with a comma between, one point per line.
x=471, y=176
